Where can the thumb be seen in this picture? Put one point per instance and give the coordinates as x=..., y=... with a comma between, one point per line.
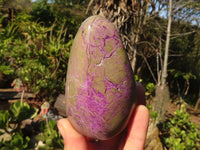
x=72, y=139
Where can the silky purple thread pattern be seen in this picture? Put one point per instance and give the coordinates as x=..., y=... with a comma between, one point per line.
x=92, y=106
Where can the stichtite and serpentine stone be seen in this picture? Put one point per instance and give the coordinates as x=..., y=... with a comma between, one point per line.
x=100, y=87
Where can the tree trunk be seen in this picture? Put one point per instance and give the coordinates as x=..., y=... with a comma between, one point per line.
x=134, y=50
x=159, y=103
x=197, y=103
x=11, y=14
x=162, y=91
x=164, y=72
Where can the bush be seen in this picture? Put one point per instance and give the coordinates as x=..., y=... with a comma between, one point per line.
x=182, y=133
x=50, y=136
x=36, y=54
x=18, y=112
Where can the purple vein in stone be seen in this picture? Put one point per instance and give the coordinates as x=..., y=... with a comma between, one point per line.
x=91, y=104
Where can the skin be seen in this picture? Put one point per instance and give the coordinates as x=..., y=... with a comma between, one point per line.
x=132, y=138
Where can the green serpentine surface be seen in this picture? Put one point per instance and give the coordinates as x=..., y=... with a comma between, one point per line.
x=100, y=88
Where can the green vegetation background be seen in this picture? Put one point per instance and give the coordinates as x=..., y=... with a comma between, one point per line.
x=35, y=45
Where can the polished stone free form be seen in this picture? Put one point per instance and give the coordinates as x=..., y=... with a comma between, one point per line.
x=100, y=87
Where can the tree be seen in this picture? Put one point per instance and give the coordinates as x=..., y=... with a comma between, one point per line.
x=162, y=91
x=16, y=5
x=196, y=60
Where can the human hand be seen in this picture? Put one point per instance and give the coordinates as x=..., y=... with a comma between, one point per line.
x=132, y=138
